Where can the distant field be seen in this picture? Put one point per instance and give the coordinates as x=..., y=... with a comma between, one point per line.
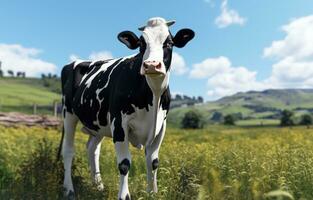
x=17, y=94
x=216, y=163
x=249, y=107
x=258, y=122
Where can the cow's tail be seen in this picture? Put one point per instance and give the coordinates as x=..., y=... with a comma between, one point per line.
x=60, y=145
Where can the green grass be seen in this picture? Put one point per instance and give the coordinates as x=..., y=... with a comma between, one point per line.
x=235, y=163
x=258, y=122
x=17, y=94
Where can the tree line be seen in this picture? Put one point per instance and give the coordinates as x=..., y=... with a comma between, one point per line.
x=194, y=120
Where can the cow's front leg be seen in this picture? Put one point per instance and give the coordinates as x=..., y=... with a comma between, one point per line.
x=120, y=139
x=152, y=160
x=93, y=148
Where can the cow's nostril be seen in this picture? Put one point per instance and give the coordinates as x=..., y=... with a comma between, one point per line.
x=145, y=65
x=158, y=66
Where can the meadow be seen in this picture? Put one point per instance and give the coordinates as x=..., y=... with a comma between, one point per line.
x=214, y=163
x=19, y=95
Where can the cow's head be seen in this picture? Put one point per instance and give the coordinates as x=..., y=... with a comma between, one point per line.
x=156, y=45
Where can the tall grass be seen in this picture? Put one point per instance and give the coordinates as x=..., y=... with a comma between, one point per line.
x=216, y=163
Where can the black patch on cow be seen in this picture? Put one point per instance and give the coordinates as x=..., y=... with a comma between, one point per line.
x=124, y=167
x=155, y=164
x=126, y=198
x=71, y=78
x=166, y=100
x=168, y=49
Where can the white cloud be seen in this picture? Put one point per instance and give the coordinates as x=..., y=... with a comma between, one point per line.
x=223, y=78
x=178, y=65
x=18, y=58
x=73, y=57
x=210, y=67
x=101, y=55
x=235, y=79
x=210, y=2
x=294, y=55
x=293, y=67
x=228, y=16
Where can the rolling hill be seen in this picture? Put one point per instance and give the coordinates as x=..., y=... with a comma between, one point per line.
x=19, y=94
x=252, y=107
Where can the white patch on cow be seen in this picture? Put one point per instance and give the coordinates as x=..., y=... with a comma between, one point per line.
x=141, y=133
x=158, y=84
x=112, y=126
x=77, y=62
x=155, y=34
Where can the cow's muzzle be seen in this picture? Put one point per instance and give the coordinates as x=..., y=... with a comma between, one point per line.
x=152, y=68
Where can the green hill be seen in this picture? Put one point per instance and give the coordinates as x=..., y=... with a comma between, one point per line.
x=252, y=107
x=19, y=94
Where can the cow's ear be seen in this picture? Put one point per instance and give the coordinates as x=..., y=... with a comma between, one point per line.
x=182, y=37
x=129, y=39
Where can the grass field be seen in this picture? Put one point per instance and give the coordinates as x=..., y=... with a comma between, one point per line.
x=214, y=163
x=17, y=94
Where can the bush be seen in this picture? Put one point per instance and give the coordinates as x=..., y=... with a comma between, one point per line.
x=306, y=120
x=229, y=120
x=286, y=118
x=192, y=119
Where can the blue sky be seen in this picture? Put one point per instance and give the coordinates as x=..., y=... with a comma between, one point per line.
x=239, y=45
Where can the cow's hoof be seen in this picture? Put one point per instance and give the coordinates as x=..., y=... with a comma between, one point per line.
x=69, y=195
x=139, y=146
x=126, y=198
x=100, y=186
x=98, y=183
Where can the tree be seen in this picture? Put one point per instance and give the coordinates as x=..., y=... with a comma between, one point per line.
x=200, y=99
x=217, y=117
x=1, y=73
x=306, y=120
x=286, y=118
x=229, y=120
x=11, y=73
x=178, y=97
x=192, y=119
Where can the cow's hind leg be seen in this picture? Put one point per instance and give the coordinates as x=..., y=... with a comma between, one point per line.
x=93, y=149
x=152, y=160
x=70, y=122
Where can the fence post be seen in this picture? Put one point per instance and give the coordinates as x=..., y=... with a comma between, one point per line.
x=55, y=108
x=34, y=109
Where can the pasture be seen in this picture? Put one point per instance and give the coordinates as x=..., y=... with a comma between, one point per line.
x=215, y=163
x=19, y=95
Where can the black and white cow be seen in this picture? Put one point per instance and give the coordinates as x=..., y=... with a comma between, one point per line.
x=126, y=99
